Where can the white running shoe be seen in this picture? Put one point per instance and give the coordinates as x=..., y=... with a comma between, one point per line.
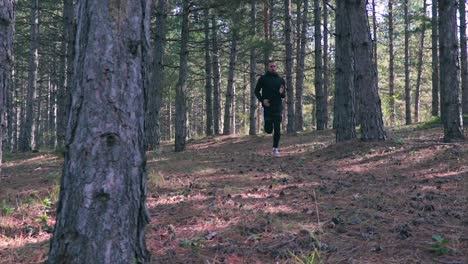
x=276, y=152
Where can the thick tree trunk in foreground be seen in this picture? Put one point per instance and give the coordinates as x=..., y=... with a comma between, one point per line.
x=370, y=112
x=450, y=95
x=344, y=81
x=7, y=20
x=102, y=212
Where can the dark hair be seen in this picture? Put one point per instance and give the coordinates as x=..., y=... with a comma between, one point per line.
x=271, y=61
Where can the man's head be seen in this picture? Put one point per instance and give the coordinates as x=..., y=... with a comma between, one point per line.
x=272, y=67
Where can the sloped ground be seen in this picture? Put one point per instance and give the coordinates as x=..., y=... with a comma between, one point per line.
x=227, y=200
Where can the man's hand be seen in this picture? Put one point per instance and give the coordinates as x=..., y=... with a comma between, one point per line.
x=266, y=103
x=281, y=90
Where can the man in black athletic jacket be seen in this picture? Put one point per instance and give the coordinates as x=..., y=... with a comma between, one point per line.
x=269, y=91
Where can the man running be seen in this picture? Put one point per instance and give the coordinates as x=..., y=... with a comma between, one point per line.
x=270, y=91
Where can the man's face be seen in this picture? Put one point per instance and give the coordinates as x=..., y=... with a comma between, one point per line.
x=272, y=67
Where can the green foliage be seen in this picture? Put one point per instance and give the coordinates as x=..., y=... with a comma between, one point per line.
x=311, y=258
x=6, y=209
x=194, y=244
x=439, y=246
x=155, y=179
x=432, y=122
x=43, y=219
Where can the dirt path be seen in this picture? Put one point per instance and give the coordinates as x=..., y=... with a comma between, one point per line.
x=227, y=200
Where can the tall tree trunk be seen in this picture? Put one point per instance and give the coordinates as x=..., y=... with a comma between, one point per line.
x=344, y=80
x=463, y=57
x=407, y=61
x=391, y=64
x=7, y=21
x=230, y=91
x=66, y=75
x=208, y=77
x=289, y=66
x=435, y=60
x=155, y=91
x=216, y=79
x=374, y=32
x=450, y=96
x=319, y=94
x=181, y=88
x=326, y=77
x=299, y=122
x=52, y=110
x=365, y=72
x=266, y=32
x=26, y=141
x=10, y=104
x=300, y=58
x=243, y=125
x=417, y=90
x=102, y=211
x=253, y=71
x=16, y=111
x=38, y=117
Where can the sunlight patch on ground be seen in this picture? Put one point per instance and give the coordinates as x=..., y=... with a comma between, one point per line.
x=42, y=158
x=203, y=172
x=176, y=199
x=279, y=209
x=448, y=174
x=21, y=241
x=214, y=223
x=157, y=159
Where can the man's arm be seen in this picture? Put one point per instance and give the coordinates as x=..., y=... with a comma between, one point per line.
x=258, y=88
x=282, y=89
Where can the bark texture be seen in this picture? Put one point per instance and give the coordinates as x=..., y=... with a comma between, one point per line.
x=7, y=20
x=365, y=72
x=102, y=211
x=344, y=80
x=450, y=95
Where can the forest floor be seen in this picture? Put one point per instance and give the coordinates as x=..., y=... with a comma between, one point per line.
x=228, y=200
